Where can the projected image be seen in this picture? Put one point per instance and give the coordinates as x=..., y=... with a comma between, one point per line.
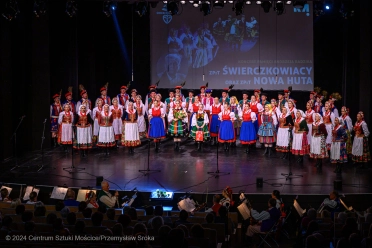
x=251, y=50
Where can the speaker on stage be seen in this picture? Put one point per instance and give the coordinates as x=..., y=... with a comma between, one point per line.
x=337, y=184
x=99, y=181
x=259, y=182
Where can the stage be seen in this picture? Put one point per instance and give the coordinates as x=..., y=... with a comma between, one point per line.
x=185, y=170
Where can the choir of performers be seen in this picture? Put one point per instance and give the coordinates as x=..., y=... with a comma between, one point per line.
x=318, y=147
x=338, y=146
x=309, y=118
x=348, y=126
x=360, y=151
x=177, y=119
x=199, y=126
x=106, y=136
x=95, y=115
x=285, y=121
x=156, y=129
x=257, y=108
x=83, y=123
x=123, y=96
x=65, y=132
x=267, y=132
x=141, y=110
x=226, y=133
x=55, y=110
x=247, y=130
x=131, y=137
x=300, y=145
x=117, y=123
x=214, y=122
x=328, y=119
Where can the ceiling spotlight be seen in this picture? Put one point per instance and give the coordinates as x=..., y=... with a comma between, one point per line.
x=266, y=5
x=299, y=4
x=191, y=2
x=248, y=2
x=109, y=7
x=39, y=7
x=183, y=2
x=218, y=4
x=279, y=8
x=196, y=4
x=231, y=1
x=205, y=8
x=71, y=8
x=172, y=7
x=11, y=10
x=258, y=2
x=141, y=8
x=238, y=7
x=288, y=2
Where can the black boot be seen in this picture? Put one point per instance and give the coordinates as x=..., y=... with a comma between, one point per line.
x=336, y=169
x=282, y=157
x=213, y=141
x=270, y=150
x=178, y=146
x=227, y=146
x=156, y=146
x=320, y=163
x=247, y=149
x=55, y=142
x=132, y=148
x=300, y=160
x=317, y=162
x=65, y=148
x=339, y=169
x=266, y=150
x=175, y=146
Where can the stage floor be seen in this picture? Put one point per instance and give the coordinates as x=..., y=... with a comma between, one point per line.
x=185, y=170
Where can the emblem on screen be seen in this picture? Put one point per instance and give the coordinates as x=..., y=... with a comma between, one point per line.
x=167, y=19
x=305, y=9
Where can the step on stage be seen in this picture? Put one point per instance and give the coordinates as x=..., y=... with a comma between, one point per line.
x=186, y=170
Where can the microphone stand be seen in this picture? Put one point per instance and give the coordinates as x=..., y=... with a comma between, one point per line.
x=148, y=171
x=72, y=168
x=289, y=176
x=15, y=144
x=217, y=173
x=42, y=148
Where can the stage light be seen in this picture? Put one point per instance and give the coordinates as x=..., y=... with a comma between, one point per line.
x=196, y=4
x=191, y=2
x=327, y=5
x=248, y=2
x=205, y=8
x=288, y=2
x=238, y=7
x=71, y=8
x=231, y=1
x=279, y=8
x=266, y=5
x=165, y=1
x=183, y=2
x=39, y=7
x=172, y=7
x=141, y=8
x=299, y=4
x=218, y=4
x=11, y=10
x=259, y=2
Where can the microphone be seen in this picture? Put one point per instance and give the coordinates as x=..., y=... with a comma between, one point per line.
x=45, y=120
x=23, y=116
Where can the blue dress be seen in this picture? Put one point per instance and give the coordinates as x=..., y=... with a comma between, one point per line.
x=247, y=130
x=226, y=132
x=156, y=130
x=267, y=132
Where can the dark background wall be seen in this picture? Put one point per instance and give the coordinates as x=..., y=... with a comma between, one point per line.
x=41, y=56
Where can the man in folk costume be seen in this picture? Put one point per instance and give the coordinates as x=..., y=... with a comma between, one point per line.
x=188, y=102
x=281, y=100
x=287, y=94
x=152, y=88
x=150, y=100
x=55, y=110
x=263, y=99
x=360, y=151
x=105, y=198
x=106, y=99
x=202, y=92
x=84, y=99
x=312, y=97
x=348, y=126
x=70, y=101
x=332, y=106
x=244, y=100
x=169, y=100
x=225, y=98
x=208, y=101
x=318, y=106
x=83, y=123
x=65, y=132
x=328, y=120
x=133, y=96
x=123, y=96
x=177, y=90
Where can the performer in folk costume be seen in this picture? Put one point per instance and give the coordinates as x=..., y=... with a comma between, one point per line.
x=106, y=136
x=318, y=147
x=310, y=115
x=360, y=151
x=235, y=108
x=152, y=90
x=83, y=123
x=156, y=119
x=348, y=126
x=188, y=102
x=300, y=145
x=225, y=97
x=338, y=146
x=285, y=121
x=200, y=123
x=318, y=106
x=178, y=98
x=133, y=95
x=123, y=97
x=193, y=108
x=106, y=99
x=266, y=132
x=177, y=119
x=150, y=100
x=141, y=110
x=257, y=108
x=257, y=93
x=332, y=106
x=131, y=136
x=163, y=106
x=292, y=108
x=70, y=101
x=281, y=101
x=169, y=100
x=244, y=100
x=84, y=99
x=226, y=133
x=328, y=120
x=263, y=99
x=312, y=97
x=214, y=122
x=177, y=90
x=95, y=116
x=117, y=123
x=208, y=101
x=65, y=132
x=248, y=133
x=55, y=110
x=202, y=94
x=275, y=108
